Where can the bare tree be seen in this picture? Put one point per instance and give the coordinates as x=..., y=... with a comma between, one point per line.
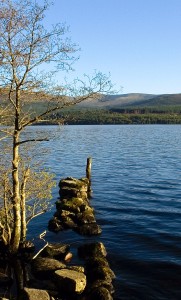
x=26, y=47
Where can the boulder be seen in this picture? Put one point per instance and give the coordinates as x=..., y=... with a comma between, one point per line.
x=70, y=281
x=101, y=273
x=88, y=229
x=81, y=184
x=85, y=217
x=77, y=268
x=72, y=187
x=67, y=192
x=100, y=293
x=43, y=268
x=34, y=294
x=57, y=250
x=47, y=285
x=95, y=262
x=102, y=283
x=87, y=208
x=68, y=223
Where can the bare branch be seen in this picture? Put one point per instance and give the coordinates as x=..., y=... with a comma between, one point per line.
x=32, y=140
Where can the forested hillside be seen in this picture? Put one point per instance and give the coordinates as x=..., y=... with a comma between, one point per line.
x=112, y=109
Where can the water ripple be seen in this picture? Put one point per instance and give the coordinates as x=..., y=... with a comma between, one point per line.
x=136, y=192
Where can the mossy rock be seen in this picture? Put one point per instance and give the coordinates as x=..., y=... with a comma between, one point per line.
x=77, y=268
x=88, y=229
x=72, y=204
x=71, y=182
x=66, y=213
x=86, y=217
x=71, y=207
x=56, y=250
x=101, y=273
x=73, y=201
x=70, y=281
x=86, y=208
x=68, y=223
x=44, y=268
x=58, y=204
x=67, y=192
x=100, y=293
x=101, y=283
x=96, y=262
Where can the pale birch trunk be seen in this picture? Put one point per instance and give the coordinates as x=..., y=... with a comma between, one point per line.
x=23, y=206
x=16, y=235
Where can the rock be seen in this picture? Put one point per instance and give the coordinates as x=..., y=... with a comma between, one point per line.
x=92, y=250
x=57, y=250
x=95, y=262
x=71, y=182
x=77, y=268
x=88, y=229
x=34, y=294
x=72, y=204
x=70, y=281
x=85, y=217
x=68, y=257
x=87, y=208
x=44, y=267
x=47, y=285
x=101, y=273
x=66, y=213
x=68, y=223
x=100, y=293
x=102, y=283
x=76, y=201
x=67, y=192
x=72, y=187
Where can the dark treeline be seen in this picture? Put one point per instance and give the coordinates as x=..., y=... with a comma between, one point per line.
x=120, y=116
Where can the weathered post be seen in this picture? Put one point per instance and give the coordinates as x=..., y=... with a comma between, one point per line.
x=88, y=173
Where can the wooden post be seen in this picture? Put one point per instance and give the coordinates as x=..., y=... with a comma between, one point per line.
x=88, y=172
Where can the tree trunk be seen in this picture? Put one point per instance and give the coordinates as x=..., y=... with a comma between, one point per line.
x=16, y=235
x=16, y=199
x=23, y=206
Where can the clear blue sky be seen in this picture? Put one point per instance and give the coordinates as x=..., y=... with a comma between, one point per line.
x=137, y=41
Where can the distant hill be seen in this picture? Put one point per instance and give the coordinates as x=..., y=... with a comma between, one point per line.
x=161, y=100
x=116, y=101
x=37, y=100
x=133, y=100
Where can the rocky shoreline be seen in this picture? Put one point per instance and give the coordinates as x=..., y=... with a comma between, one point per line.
x=50, y=274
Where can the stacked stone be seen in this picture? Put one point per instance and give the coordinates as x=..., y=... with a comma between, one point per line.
x=99, y=274
x=50, y=277
x=73, y=208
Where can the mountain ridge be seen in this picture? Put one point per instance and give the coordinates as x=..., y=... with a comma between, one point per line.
x=133, y=99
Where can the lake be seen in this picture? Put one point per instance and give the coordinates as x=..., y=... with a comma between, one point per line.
x=136, y=182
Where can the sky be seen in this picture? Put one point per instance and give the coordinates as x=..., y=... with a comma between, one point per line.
x=137, y=41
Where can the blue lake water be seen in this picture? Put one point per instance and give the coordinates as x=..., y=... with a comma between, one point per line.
x=136, y=182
